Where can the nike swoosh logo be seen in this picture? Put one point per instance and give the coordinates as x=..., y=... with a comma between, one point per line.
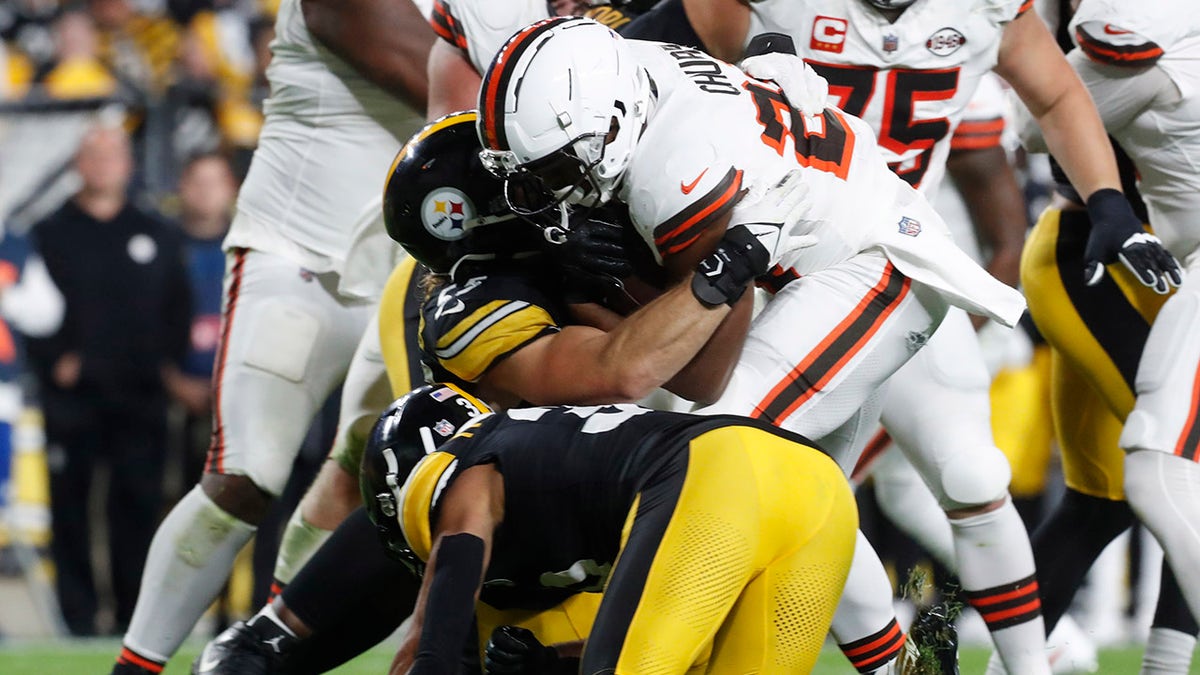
x=687, y=188
x=1110, y=29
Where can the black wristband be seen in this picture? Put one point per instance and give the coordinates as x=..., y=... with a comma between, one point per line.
x=722, y=277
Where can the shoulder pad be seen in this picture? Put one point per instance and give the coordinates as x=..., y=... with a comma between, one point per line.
x=487, y=24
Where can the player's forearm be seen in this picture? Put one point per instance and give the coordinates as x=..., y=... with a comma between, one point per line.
x=704, y=378
x=997, y=208
x=387, y=41
x=653, y=344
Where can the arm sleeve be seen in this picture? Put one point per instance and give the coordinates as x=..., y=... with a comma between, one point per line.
x=450, y=605
x=34, y=306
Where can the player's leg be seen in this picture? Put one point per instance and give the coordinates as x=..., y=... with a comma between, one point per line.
x=386, y=364
x=334, y=493
x=781, y=618
x=287, y=338
x=1162, y=435
x=911, y=507
x=825, y=344
x=698, y=533
x=938, y=411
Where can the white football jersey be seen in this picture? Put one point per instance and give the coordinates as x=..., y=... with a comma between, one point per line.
x=314, y=190
x=1161, y=135
x=688, y=168
x=480, y=27
x=910, y=80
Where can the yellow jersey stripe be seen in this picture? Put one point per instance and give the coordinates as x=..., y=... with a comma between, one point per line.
x=503, y=336
x=416, y=500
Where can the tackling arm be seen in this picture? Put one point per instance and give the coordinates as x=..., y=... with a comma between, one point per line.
x=472, y=508
x=387, y=41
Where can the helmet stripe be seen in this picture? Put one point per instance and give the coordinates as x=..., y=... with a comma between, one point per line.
x=416, y=501
x=495, y=83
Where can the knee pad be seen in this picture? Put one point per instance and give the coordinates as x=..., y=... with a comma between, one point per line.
x=976, y=476
x=282, y=341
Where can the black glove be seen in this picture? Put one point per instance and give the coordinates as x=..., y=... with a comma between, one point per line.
x=722, y=277
x=513, y=650
x=1118, y=235
x=592, y=259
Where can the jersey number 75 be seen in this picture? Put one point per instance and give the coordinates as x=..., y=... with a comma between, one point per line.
x=898, y=131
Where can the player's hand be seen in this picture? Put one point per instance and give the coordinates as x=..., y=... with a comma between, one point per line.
x=773, y=215
x=807, y=91
x=1118, y=235
x=592, y=257
x=513, y=650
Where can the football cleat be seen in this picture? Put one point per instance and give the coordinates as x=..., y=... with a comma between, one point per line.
x=932, y=644
x=239, y=650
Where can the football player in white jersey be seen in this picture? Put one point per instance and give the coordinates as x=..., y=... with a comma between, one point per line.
x=307, y=259
x=909, y=68
x=876, y=269
x=1140, y=66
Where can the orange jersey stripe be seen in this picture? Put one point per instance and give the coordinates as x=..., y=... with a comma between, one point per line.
x=1189, y=440
x=216, y=452
x=734, y=186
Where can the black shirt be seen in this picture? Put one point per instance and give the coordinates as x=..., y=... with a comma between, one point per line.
x=127, y=299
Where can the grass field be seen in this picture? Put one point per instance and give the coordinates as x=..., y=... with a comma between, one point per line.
x=94, y=657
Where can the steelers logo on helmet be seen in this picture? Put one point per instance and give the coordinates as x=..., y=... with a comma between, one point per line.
x=446, y=212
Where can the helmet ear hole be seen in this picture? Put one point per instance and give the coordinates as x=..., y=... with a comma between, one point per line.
x=614, y=128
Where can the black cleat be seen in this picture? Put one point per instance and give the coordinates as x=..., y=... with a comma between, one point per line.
x=932, y=645
x=239, y=650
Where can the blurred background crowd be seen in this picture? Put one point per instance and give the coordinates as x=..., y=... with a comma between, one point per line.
x=125, y=128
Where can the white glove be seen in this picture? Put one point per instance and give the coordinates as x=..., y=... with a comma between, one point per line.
x=774, y=214
x=807, y=91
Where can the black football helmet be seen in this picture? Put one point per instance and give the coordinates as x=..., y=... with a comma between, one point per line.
x=439, y=198
x=412, y=427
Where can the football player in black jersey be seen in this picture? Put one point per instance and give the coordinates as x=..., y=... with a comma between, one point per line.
x=718, y=540
x=496, y=321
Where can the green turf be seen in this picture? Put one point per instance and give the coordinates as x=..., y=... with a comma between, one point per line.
x=94, y=657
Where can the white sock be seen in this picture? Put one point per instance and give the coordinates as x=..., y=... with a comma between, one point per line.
x=865, y=622
x=189, y=560
x=995, y=564
x=1164, y=491
x=300, y=541
x=1168, y=652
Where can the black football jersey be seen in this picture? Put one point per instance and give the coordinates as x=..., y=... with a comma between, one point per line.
x=571, y=474
x=470, y=324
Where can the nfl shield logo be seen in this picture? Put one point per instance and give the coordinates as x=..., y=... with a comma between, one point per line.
x=444, y=428
x=890, y=43
x=910, y=226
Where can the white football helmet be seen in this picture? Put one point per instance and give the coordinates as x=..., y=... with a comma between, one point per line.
x=561, y=109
